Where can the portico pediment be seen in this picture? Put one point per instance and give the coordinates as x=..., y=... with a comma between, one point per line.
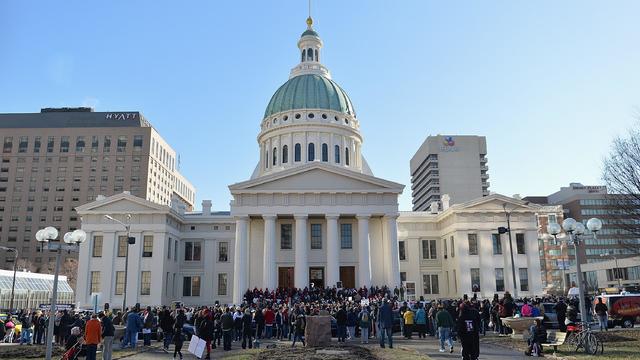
x=121, y=203
x=496, y=202
x=317, y=177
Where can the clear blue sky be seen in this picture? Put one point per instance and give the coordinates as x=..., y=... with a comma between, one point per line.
x=550, y=83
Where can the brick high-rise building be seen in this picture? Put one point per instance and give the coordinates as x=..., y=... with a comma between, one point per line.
x=58, y=159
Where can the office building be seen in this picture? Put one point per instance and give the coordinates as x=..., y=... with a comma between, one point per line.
x=58, y=159
x=451, y=165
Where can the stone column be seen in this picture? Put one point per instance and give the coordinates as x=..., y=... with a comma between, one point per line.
x=364, y=263
x=393, y=275
x=269, y=278
x=240, y=256
x=333, y=250
x=301, y=270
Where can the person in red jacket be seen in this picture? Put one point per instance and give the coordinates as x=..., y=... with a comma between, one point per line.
x=92, y=336
x=269, y=320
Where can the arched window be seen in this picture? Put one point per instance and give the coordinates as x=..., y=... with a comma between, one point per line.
x=266, y=159
x=311, y=152
x=296, y=153
x=316, y=52
x=337, y=153
x=285, y=154
x=304, y=54
x=346, y=156
x=325, y=152
x=275, y=156
x=310, y=54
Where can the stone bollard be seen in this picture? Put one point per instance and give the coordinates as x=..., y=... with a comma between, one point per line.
x=318, y=331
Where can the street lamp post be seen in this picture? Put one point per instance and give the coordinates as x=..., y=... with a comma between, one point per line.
x=130, y=241
x=72, y=242
x=502, y=230
x=13, y=283
x=617, y=273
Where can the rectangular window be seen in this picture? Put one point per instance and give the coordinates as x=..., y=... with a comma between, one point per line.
x=94, y=144
x=122, y=246
x=403, y=276
x=497, y=245
x=346, y=240
x=499, y=279
x=453, y=248
x=444, y=247
x=401, y=250
x=552, y=218
x=64, y=144
x=147, y=246
x=50, y=145
x=520, y=245
x=475, y=279
x=473, y=244
x=191, y=286
x=8, y=144
x=285, y=236
x=36, y=144
x=97, y=246
x=95, y=282
x=122, y=143
x=80, y=144
x=316, y=236
x=524, y=279
x=430, y=284
x=429, y=250
x=137, y=142
x=175, y=251
x=169, y=250
x=192, y=251
x=106, y=144
x=145, y=283
x=119, y=282
x=222, y=284
x=223, y=251
x=23, y=144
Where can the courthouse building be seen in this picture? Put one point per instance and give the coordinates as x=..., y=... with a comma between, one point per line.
x=312, y=213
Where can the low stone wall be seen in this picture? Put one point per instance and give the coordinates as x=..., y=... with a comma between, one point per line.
x=318, y=331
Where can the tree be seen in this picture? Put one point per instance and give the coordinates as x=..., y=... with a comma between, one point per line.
x=621, y=172
x=25, y=265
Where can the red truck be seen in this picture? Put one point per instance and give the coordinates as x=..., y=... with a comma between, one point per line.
x=624, y=310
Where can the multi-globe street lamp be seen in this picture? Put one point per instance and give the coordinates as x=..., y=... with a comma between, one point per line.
x=576, y=230
x=13, y=283
x=72, y=241
x=130, y=241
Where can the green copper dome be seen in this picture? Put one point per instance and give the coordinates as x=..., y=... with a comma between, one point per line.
x=309, y=91
x=310, y=32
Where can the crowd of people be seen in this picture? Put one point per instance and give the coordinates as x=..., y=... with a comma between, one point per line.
x=282, y=314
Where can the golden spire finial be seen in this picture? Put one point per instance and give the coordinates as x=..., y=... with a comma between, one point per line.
x=309, y=19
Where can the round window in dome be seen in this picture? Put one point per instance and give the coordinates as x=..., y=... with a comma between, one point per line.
x=324, y=116
x=275, y=121
x=346, y=121
x=336, y=118
x=285, y=118
x=310, y=116
x=297, y=116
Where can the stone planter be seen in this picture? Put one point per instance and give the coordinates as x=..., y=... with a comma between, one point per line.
x=520, y=325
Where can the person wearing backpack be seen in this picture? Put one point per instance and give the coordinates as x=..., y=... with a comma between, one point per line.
x=421, y=321
x=468, y=326
x=365, y=323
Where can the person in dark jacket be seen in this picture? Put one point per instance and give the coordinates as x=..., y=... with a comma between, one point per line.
x=352, y=320
x=468, y=326
x=561, y=312
x=178, y=340
x=300, y=324
x=227, y=328
x=258, y=317
x=341, y=323
x=181, y=319
x=166, y=324
x=247, y=329
x=205, y=331
x=108, y=331
x=537, y=337
x=385, y=319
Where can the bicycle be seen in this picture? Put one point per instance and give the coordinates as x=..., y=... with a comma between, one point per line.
x=582, y=337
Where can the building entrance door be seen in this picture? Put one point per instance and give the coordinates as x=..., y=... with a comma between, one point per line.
x=285, y=277
x=316, y=276
x=348, y=277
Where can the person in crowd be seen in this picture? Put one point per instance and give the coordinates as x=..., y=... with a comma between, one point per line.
x=133, y=326
x=278, y=323
x=526, y=310
x=365, y=323
x=167, y=323
x=352, y=321
x=421, y=321
x=444, y=323
x=485, y=316
x=402, y=309
x=247, y=329
x=602, y=312
x=341, y=323
x=25, y=333
x=269, y=320
x=537, y=337
x=300, y=324
x=178, y=341
x=561, y=311
x=408, y=323
x=108, y=332
x=258, y=317
x=385, y=320
x=227, y=327
x=433, y=326
x=73, y=338
x=92, y=336
x=468, y=330
x=205, y=330
x=237, y=324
